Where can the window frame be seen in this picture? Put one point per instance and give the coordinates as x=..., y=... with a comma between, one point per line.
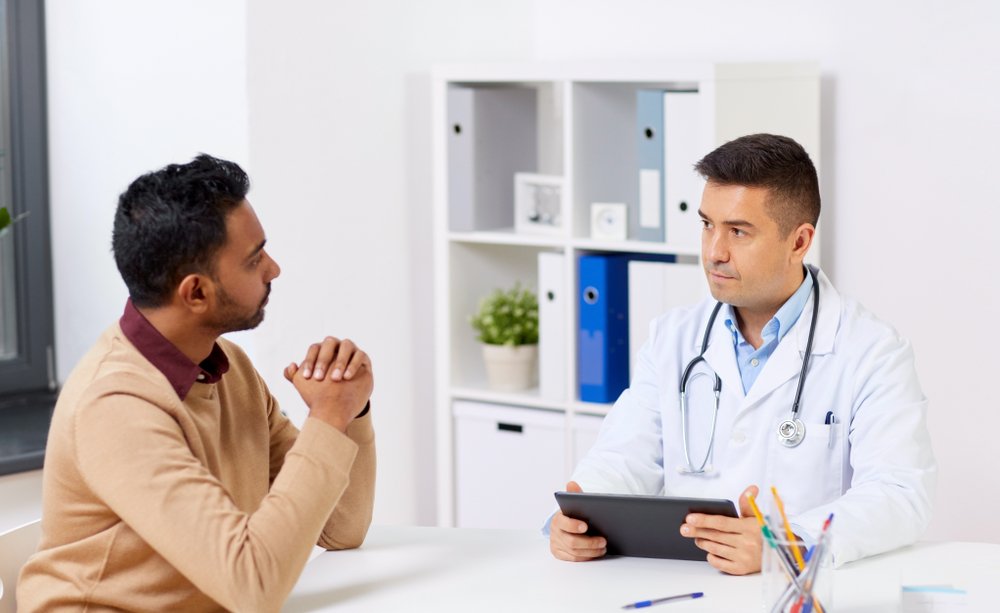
x=33, y=369
x=27, y=381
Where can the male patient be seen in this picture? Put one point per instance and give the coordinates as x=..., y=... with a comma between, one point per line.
x=172, y=480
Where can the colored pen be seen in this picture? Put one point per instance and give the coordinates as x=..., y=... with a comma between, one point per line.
x=788, y=529
x=648, y=603
x=784, y=558
x=818, y=550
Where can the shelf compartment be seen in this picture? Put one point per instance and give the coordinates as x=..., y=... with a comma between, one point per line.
x=493, y=131
x=476, y=271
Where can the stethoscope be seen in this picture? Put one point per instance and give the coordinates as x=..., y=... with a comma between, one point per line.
x=790, y=431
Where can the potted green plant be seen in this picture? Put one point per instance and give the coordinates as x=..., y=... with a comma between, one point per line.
x=507, y=324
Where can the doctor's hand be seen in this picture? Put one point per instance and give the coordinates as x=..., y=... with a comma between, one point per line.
x=568, y=539
x=733, y=544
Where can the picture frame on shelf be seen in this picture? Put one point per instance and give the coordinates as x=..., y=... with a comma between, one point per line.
x=538, y=204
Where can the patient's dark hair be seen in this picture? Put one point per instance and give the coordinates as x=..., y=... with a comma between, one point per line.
x=171, y=222
x=777, y=163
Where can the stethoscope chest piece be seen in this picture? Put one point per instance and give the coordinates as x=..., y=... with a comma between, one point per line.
x=791, y=432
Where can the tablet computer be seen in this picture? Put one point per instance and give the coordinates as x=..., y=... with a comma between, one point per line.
x=642, y=526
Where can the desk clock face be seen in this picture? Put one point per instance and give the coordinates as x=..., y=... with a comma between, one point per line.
x=608, y=221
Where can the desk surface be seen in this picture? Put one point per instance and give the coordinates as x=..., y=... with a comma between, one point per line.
x=444, y=569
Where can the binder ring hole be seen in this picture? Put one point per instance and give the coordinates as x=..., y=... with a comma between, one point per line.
x=457, y=128
x=683, y=206
x=590, y=295
x=550, y=295
x=649, y=133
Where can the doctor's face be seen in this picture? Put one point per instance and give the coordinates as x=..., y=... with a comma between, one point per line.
x=749, y=264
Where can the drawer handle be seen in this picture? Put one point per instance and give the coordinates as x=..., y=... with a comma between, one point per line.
x=509, y=427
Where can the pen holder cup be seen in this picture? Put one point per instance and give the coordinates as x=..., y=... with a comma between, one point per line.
x=811, y=589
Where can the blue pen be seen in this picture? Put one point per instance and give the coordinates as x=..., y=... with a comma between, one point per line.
x=648, y=603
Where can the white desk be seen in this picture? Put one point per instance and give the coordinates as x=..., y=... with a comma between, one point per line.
x=441, y=569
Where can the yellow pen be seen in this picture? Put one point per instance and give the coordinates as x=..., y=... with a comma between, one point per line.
x=788, y=529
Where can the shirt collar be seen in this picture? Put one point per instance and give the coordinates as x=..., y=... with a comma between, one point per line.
x=179, y=370
x=779, y=325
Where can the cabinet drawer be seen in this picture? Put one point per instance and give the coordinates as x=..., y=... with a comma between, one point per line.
x=508, y=462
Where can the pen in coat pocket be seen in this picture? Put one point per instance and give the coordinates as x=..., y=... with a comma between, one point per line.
x=831, y=420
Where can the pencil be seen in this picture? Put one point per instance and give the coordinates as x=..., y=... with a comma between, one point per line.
x=755, y=509
x=788, y=529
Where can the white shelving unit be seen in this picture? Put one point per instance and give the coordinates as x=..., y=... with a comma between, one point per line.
x=585, y=121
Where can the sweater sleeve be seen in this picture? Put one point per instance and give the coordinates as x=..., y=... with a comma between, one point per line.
x=348, y=524
x=133, y=455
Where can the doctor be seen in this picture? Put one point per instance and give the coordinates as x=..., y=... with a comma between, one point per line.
x=855, y=445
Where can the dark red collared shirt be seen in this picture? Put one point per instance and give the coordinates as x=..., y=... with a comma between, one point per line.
x=179, y=370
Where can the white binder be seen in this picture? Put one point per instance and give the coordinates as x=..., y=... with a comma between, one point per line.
x=653, y=289
x=682, y=150
x=553, y=314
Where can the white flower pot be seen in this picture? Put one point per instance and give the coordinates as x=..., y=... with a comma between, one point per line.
x=511, y=368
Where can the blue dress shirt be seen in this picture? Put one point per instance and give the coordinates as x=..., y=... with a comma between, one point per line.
x=751, y=361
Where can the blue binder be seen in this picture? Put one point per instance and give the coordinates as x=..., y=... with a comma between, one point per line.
x=602, y=349
x=650, y=217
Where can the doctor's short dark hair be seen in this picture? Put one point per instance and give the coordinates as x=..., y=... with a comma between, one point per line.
x=171, y=223
x=777, y=163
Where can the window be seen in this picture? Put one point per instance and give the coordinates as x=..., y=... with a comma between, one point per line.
x=27, y=378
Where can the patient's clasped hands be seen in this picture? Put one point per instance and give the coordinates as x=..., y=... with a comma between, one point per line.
x=335, y=381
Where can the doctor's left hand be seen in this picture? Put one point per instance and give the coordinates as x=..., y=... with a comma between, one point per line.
x=733, y=544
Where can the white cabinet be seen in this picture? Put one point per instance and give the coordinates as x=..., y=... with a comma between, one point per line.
x=576, y=121
x=508, y=462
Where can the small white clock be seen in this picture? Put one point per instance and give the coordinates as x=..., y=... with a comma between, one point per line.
x=609, y=221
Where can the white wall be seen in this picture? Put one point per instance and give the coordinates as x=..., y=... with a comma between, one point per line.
x=132, y=86
x=337, y=142
x=340, y=145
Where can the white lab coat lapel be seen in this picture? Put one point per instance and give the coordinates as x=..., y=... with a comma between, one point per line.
x=786, y=361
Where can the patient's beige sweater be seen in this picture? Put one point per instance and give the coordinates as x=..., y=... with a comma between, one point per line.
x=154, y=503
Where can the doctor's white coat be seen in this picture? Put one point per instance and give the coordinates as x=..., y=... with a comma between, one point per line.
x=873, y=468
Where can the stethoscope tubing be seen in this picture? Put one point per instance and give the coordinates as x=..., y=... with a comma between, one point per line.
x=797, y=429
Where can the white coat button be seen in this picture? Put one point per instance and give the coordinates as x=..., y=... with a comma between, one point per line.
x=201, y=377
x=739, y=437
x=754, y=362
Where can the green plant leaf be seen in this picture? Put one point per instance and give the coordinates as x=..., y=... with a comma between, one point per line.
x=4, y=217
x=507, y=317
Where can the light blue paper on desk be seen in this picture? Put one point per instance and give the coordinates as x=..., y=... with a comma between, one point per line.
x=933, y=599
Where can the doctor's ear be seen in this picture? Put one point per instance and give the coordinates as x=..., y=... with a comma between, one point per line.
x=803, y=238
